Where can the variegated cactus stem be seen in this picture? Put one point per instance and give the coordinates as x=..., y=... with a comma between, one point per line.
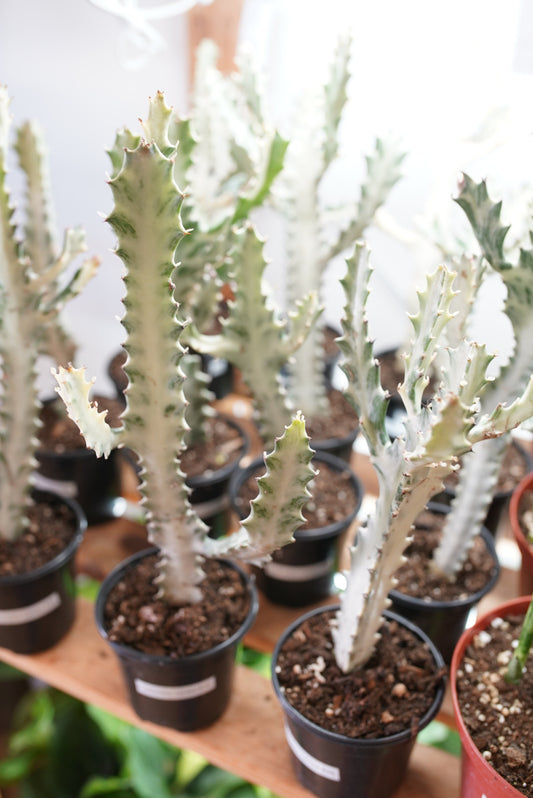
x=479, y=472
x=255, y=339
x=30, y=301
x=411, y=468
x=146, y=219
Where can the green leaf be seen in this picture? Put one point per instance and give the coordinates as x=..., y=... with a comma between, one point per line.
x=151, y=764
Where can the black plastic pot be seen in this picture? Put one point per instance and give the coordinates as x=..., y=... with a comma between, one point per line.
x=444, y=621
x=334, y=766
x=337, y=447
x=302, y=572
x=186, y=694
x=94, y=482
x=209, y=492
x=219, y=370
x=500, y=500
x=37, y=608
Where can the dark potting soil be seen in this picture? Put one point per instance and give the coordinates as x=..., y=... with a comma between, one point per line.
x=415, y=577
x=223, y=444
x=50, y=529
x=135, y=617
x=339, y=422
x=513, y=468
x=391, y=693
x=60, y=434
x=499, y=716
x=332, y=496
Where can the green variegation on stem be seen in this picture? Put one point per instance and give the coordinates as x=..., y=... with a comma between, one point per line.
x=146, y=219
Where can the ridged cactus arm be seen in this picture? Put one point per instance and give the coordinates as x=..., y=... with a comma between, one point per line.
x=18, y=419
x=428, y=324
x=277, y=511
x=254, y=339
x=198, y=398
x=40, y=244
x=124, y=140
x=468, y=278
x=363, y=388
x=383, y=171
x=74, y=390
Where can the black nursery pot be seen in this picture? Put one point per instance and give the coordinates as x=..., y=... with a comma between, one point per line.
x=94, y=482
x=209, y=491
x=331, y=765
x=37, y=608
x=301, y=572
x=185, y=694
x=445, y=621
x=500, y=500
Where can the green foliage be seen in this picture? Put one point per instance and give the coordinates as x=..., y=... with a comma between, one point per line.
x=65, y=749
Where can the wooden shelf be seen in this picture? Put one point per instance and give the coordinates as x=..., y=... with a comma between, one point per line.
x=249, y=739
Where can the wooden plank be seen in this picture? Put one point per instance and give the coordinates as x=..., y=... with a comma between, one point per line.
x=248, y=740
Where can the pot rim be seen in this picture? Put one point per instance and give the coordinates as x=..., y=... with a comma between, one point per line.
x=523, y=487
x=222, y=473
x=63, y=556
x=399, y=737
x=505, y=608
x=470, y=600
x=132, y=653
x=316, y=533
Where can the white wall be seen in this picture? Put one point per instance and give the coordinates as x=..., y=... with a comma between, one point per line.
x=428, y=72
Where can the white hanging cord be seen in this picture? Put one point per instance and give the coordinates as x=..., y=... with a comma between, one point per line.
x=140, y=34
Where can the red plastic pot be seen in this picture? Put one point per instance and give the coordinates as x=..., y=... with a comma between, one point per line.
x=478, y=777
x=526, y=550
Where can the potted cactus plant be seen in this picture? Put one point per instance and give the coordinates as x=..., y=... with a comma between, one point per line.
x=39, y=532
x=259, y=341
x=410, y=470
x=491, y=691
x=315, y=234
x=63, y=465
x=175, y=613
x=481, y=468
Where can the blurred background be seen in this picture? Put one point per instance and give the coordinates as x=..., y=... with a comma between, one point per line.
x=452, y=81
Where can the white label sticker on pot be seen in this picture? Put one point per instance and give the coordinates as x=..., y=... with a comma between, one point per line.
x=313, y=764
x=175, y=692
x=32, y=612
x=297, y=573
x=63, y=487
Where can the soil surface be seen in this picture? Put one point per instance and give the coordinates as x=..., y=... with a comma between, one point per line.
x=340, y=421
x=135, y=616
x=60, y=434
x=223, y=445
x=391, y=693
x=415, y=577
x=50, y=529
x=332, y=496
x=498, y=715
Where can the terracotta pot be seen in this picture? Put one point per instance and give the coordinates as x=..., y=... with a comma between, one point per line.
x=334, y=766
x=526, y=549
x=186, y=693
x=302, y=572
x=478, y=777
x=444, y=621
x=37, y=608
